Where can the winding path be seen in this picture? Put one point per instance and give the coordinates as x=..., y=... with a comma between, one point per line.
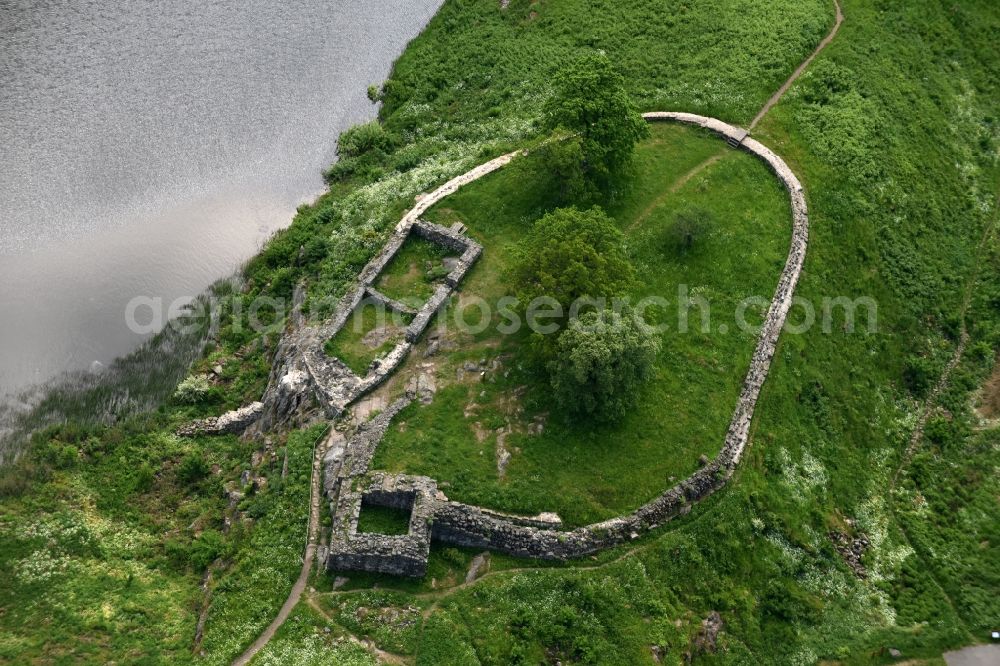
x=800, y=69
x=739, y=427
x=928, y=407
x=312, y=537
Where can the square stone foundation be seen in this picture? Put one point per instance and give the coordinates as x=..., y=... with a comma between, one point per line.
x=400, y=555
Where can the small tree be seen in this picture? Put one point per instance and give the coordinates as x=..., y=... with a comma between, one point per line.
x=688, y=227
x=570, y=254
x=601, y=360
x=591, y=103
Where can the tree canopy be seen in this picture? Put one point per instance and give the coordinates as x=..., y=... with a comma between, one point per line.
x=600, y=361
x=569, y=254
x=591, y=103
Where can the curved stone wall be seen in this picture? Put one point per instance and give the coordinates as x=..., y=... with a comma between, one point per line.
x=471, y=526
x=302, y=367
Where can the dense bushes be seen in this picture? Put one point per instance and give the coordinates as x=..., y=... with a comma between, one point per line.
x=192, y=468
x=362, y=151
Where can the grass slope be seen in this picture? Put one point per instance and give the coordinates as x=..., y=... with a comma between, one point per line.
x=894, y=133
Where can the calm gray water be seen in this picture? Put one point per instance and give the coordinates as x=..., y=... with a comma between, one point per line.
x=147, y=148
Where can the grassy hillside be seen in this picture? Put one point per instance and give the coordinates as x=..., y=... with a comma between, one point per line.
x=124, y=538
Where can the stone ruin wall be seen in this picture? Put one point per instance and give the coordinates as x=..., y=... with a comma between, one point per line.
x=474, y=527
x=471, y=526
x=433, y=515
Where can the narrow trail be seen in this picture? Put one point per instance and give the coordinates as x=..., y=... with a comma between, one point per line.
x=315, y=493
x=963, y=339
x=776, y=97
x=316, y=479
x=678, y=184
x=930, y=404
x=383, y=656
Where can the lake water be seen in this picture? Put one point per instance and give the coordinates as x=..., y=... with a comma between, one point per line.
x=146, y=149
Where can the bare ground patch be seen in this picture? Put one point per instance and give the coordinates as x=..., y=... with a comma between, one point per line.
x=988, y=405
x=377, y=337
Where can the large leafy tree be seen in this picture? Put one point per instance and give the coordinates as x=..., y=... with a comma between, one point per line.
x=570, y=254
x=591, y=105
x=601, y=359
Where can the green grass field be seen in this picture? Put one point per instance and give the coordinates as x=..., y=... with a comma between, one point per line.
x=110, y=524
x=383, y=520
x=370, y=332
x=414, y=272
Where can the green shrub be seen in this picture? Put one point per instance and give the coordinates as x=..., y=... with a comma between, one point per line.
x=689, y=227
x=919, y=375
x=67, y=456
x=563, y=161
x=145, y=476
x=208, y=547
x=192, y=469
x=193, y=390
x=364, y=139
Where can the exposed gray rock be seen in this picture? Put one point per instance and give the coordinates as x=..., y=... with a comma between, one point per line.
x=852, y=550
x=234, y=422
x=706, y=642
x=423, y=385
x=480, y=565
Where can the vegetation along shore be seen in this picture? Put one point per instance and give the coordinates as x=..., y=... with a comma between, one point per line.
x=860, y=525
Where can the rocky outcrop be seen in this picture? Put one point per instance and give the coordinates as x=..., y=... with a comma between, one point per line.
x=230, y=423
x=852, y=550
x=707, y=639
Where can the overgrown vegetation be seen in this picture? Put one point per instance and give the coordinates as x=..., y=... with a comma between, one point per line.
x=383, y=520
x=106, y=529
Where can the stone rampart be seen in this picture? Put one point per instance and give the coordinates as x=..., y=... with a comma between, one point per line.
x=349, y=483
x=475, y=527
